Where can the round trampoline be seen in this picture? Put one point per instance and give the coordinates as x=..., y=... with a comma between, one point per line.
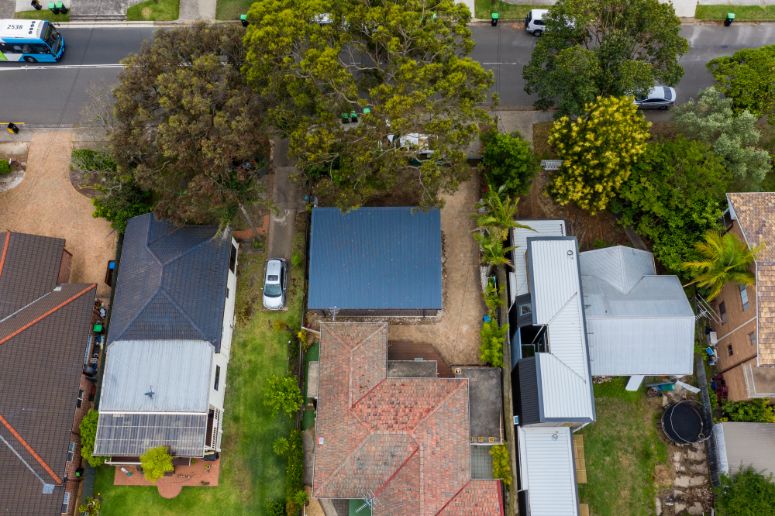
x=683, y=423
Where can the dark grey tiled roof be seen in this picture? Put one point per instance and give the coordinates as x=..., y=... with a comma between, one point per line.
x=375, y=258
x=171, y=282
x=41, y=359
x=29, y=266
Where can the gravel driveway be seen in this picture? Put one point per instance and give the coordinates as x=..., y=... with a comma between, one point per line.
x=45, y=203
x=456, y=334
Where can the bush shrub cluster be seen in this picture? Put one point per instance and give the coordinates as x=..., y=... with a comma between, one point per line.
x=291, y=449
x=757, y=410
x=501, y=463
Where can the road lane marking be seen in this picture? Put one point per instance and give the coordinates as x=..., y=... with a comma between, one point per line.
x=59, y=67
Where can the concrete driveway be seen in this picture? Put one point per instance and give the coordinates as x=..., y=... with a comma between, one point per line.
x=45, y=203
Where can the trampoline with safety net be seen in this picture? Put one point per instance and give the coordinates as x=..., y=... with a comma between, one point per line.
x=684, y=423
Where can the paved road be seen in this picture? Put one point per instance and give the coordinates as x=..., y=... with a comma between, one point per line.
x=506, y=49
x=54, y=95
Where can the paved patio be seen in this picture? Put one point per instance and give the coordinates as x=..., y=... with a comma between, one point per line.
x=199, y=474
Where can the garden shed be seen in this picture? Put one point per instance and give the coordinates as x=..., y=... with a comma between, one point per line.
x=375, y=261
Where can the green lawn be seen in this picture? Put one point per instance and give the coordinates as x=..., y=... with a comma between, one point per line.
x=154, y=10
x=231, y=9
x=742, y=12
x=508, y=12
x=623, y=448
x=251, y=474
x=43, y=14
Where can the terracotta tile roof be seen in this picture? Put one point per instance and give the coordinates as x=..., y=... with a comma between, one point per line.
x=755, y=212
x=42, y=343
x=402, y=441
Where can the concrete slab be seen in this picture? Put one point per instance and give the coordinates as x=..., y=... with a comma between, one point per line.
x=481, y=463
x=197, y=10
x=485, y=403
x=417, y=368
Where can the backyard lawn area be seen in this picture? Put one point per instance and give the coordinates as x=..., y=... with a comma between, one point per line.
x=508, y=12
x=43, y=14
x=742, y=12
x=231, y=9
x=623, y=449
x=252, y=476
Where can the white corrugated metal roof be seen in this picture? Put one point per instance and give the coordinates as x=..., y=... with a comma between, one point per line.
x=519, y=238
x=744, y=444
x=621, y=266
x=176, y=371
x=548, y=471
x=556, y=296
x=637, y=323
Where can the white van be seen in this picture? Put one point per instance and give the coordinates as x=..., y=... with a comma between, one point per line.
x=534, y=21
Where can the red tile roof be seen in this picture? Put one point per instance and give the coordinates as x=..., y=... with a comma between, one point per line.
x=402, y=441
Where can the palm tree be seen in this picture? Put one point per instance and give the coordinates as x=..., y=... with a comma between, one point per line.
x=725, y=258
x=494, y=253
x=497, y=213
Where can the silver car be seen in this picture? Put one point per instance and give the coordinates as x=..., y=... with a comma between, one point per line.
x=275, y=283
x=658, y=97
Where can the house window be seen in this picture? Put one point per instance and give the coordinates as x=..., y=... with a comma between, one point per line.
x=525, y=310
x=65, y=503
x=233, y=259
x=730, y=351
x=744, y=297
x=752, y=338
x=722, y=311
x=79, y=401
x=70, y=451
x=217, y=376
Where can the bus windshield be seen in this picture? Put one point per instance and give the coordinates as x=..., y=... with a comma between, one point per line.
x=51, y=36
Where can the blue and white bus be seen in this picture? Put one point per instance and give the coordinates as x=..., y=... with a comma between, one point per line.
x=33, y=41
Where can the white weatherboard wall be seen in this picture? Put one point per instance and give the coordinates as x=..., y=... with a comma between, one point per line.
x=548, y=471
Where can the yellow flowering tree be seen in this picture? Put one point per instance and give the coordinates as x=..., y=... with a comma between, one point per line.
x=597, y=150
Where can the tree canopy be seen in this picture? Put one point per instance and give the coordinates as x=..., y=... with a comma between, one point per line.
x=745, y=493
x=88, y=432
x=508, y=162
x=401, y=67
x=723, y=258
x=673, y=196
x=187, y=127
x=732, y=135
x=746, y=77
x=604, y=47
x=597, y=150
x=156, y=462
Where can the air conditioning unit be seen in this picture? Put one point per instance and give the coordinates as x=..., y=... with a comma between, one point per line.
x=712, y=338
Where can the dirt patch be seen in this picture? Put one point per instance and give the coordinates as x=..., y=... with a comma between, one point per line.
x=15, y=154
x=46, y=203
x=455, y=332
x=592, y=231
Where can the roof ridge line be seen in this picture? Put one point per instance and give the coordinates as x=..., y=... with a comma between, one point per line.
x=398, y=470
x=6, y=245
x=463, y=381
x=185, y=314
x=191, y=249
x=454, y=496
x=31, y=451
x=28, y=325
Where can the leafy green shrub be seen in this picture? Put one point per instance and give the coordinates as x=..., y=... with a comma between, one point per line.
x=673, y=196
x=283, y=395
x=91, y=506
x=753, y=411
x=275, y=508
x=297, y=259
x=501, y=463
x=491, y=348
x=746, y=78
x=156, y=462
x=746, y=493
x=492, y=297
x=88, y=431
x=89, y=160
x=5, y=167
x=292, y=450
x=508, y=162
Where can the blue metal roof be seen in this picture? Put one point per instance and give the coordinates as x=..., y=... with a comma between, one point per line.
x=375, y=258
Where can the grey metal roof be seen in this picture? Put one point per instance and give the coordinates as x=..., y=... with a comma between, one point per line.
x=745, y=444
x=171, y=282
x=519, y=236
x=548, y=471
x=176, y=371
x=637, y=322
x=129, y=435
x=375, y=258
x=565, y=387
